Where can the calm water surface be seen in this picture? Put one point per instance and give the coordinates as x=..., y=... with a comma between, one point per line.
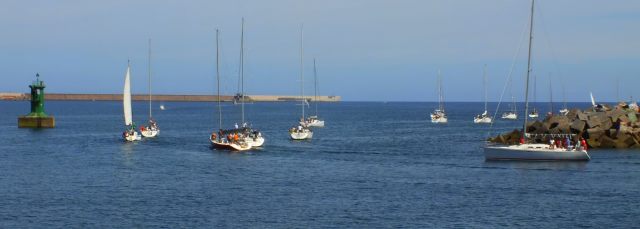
x=374, y=165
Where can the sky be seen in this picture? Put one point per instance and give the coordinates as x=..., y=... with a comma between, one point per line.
x=366, y=50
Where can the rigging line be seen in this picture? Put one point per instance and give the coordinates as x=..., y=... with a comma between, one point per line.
x=509, y=76
x=547, y=39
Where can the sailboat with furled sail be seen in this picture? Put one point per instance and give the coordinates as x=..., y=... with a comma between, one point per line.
x=484, y=117
x=313, y=120
x=302, y=131
x=152, y=129
x=527, y=150
x=439, y=116
x=130, y=134
x=225, y=139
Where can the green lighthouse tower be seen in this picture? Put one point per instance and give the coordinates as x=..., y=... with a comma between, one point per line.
x=37, y=118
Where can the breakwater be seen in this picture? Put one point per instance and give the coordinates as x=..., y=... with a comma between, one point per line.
x=610, y=127
x=177, y=98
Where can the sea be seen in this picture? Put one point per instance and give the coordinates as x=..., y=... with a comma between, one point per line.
x=374, y=165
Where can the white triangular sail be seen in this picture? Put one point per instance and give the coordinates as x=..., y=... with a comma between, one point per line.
x=126, y=98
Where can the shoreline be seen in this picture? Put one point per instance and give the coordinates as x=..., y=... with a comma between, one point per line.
x=161, y=97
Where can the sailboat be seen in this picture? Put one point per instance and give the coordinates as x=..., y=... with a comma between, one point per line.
x=225, y=139
x=534, y=113
x=302, y=131
x=564, y=111
x=484, y=117
x=152, y=129
x=313, y=120
x=533, y=151
x=513, y=113
x=253, y=137
x=550, y=112
x=438, y=115
x=130, y=134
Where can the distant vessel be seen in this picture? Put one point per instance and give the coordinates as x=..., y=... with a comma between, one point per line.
x=439, y=115
x=484, y=117
x=534, y=113
x=314, y=121
x=532, y=151
x=225, y=139
x=513, y=114
x=162, y=107
x=564, y=111
x=152, y=129
x=302, y=131
x=130, y=134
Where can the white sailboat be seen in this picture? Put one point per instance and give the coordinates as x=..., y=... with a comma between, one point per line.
x=152, y=129
x=564, y=111
x=313, y=120
x=302, y=131
x=130, y=134
x=225, y=139
x=439, y=115
x=513, y=113
x=532, y=151
x=484, y=117
x=253, y=137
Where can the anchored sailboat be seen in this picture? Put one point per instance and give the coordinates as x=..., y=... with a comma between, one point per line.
x=513, y=113
x=439, y=115
x=152, y=129
x=302, y=131
x=130, y=134
x=564, y=111
x=484, y=117
x=534, y=113
x=533, y=151
x=313, y=120
x=225, y=139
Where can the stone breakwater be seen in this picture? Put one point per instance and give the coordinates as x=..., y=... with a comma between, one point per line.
x=616, y=127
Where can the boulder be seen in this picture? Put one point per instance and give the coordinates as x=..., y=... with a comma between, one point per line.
x=582, y=116
x=606, y=142
x=578, y=125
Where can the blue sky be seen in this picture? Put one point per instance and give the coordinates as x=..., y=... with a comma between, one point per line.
x=367, y=50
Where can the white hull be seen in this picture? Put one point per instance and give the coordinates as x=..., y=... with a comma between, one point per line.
x=257, y=142
x=564, y=111
x=150, y=133
x=510, y=116
x=533, y=152
x=314, y=123
x=534, y=116
x=134, y=137
x=301, y=135
x=482, y=120
x=435, y=119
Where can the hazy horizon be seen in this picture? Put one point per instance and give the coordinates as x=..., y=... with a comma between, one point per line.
x=365, y=50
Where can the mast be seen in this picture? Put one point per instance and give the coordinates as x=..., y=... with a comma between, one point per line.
x=484, y=84
x=564, y=97
x=526, y=94
x=242, y=69
x=149, y=70
x=439, y=81
x=315, y=84
x=302, y=68
x=218, y=77
x=550, y=95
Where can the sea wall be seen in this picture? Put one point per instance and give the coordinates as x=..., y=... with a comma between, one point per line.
x=616, y=127
x=184, y=98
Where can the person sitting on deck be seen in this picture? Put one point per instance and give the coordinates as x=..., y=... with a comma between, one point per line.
x=552, y=144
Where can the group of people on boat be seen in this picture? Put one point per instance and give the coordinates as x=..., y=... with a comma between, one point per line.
x=302, y=125
x=130, y=130
x=238, y=134
x=566, y=143
x=152, y=126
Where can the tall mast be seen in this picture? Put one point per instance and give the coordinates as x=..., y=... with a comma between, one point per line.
x=315, y=83
x=440, y=97
x=484, y=84
x=550, y=95
x=526, y=94
x=149, y=70
x=564, y=97
x=242, y=70
x=302, y=68
x=218, y=77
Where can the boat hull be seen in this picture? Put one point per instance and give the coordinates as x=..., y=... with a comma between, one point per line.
x=150, y=133
x=439, y=120
x=315, y=123
x=533, y=152
x=510, y=116
x=483, y=120
x=301, y=135
x=134, y=137
x=257, y=142
x=229, y=146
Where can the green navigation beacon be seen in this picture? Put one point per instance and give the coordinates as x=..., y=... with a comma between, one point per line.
x=37, y=118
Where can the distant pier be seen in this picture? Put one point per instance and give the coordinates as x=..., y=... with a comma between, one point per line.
x=175, y=98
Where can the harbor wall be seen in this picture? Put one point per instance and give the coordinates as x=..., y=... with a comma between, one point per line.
x=176, y=98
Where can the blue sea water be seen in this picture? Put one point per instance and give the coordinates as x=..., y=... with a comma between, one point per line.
x=374, y=165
